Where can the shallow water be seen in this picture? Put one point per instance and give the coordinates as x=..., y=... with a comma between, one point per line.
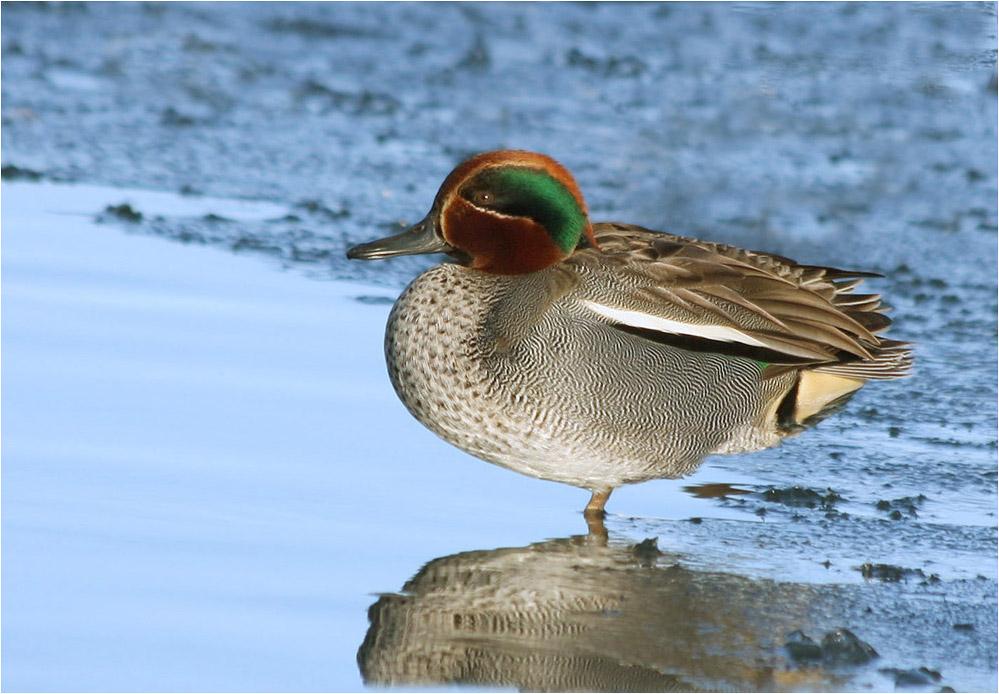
x=207, y=480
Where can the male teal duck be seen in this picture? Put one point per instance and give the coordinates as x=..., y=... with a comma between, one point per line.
x=607, y=354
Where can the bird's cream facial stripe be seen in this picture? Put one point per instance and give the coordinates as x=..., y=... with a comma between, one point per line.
x=637, y=319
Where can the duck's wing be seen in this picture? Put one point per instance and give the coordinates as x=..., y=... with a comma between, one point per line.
x=713, y=297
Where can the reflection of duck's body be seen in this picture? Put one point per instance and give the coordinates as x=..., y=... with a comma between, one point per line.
x=578, y=615
x=610, y=354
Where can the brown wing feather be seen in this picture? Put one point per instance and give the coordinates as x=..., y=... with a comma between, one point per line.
x=807, y=313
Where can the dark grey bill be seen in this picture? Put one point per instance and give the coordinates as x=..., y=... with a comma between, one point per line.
x=420, y=238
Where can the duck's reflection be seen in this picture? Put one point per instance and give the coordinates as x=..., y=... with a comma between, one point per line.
x=585, y=614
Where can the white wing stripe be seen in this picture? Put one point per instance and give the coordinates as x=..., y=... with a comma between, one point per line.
x=637, y=319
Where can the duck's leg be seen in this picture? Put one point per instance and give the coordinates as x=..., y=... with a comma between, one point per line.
x=594, y=514
x=595, y=509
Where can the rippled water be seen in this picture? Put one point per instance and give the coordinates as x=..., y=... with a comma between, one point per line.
x=208, y=483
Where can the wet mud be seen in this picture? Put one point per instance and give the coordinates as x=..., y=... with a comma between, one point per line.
x=859, y=135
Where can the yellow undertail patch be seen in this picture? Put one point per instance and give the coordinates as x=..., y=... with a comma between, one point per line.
x=816, y=391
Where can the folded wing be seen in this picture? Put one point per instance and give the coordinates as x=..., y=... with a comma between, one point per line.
x=711, y=297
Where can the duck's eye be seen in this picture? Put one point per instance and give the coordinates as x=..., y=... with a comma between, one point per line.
x=482, y=197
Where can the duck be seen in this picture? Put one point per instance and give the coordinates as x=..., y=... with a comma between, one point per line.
x=605, y=354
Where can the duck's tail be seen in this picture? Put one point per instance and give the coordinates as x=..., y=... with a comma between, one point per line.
x=892, y=359
x=822, y=390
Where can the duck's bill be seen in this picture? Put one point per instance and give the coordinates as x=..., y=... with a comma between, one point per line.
x=419, y=238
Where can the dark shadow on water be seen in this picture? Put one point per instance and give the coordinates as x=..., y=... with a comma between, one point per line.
x=586, y=613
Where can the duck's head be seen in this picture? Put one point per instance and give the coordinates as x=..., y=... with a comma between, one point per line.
x=506, y=212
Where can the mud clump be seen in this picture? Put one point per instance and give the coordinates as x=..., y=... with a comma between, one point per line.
x=647, y=552
x=613, y=66
x=315, y=207
x=16, y=173
x=905, y=506
x=838, y=647
x=123, y=212
x=802, y=649
x=889, y=573
x=802, y=497
x=842, y=647
x=360, y=103
x=374, y=300
x=314, y=29
x=916, y=677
